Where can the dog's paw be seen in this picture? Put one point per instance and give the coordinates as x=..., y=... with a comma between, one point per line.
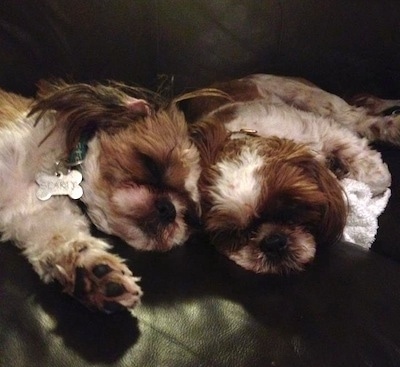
x=375, y=105
x=360, y=163
x=386, y=129
x=102, y=281
x=372, y=171
x=386, y=123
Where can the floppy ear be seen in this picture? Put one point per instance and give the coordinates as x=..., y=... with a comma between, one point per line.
x=209, y=137
x=83, y=108
x=46, y=87
x=323, y=192
x=334, y=209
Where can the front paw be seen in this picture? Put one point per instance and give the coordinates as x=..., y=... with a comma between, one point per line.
x=373, y=172
x=102, y=281
x=387, y=129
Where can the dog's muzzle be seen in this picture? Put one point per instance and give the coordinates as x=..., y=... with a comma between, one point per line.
x=274, y=246
x=166, y=210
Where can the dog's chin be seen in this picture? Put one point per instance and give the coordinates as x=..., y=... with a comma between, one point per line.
x=173, y=235
x=298, y=252
x=150, y=221
x=133, y=216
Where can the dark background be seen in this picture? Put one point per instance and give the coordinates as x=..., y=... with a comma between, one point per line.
x=199, y=309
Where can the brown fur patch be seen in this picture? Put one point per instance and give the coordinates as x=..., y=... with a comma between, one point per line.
x=84, y=109
x=12, y=107
x=239, y=90
x=308, y=191
x=135, y=153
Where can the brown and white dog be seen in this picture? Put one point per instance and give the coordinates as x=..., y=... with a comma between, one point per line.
x=139, y=173
x=267, y=202
x=271, y=160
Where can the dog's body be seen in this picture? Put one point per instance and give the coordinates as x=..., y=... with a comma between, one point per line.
x=142, y=169
x=133, y=186
x=266, y=201
x=269, y=222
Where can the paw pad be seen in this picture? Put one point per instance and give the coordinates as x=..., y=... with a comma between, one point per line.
x=101, y=270
x=114, y=289
x=107, y=285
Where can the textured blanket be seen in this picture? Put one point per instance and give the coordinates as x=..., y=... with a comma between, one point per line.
x=364, y=210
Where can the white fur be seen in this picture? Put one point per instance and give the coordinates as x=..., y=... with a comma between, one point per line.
x=323, y=134
x=305, y=96
x=236, y=190
x=54, y=234
x=95, y=200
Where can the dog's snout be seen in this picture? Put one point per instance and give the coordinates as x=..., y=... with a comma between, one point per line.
x=166, y=210
x=274, y=244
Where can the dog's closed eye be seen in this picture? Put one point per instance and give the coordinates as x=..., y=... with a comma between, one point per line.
x=154, y=170
x=279, y=210
x=288, y=215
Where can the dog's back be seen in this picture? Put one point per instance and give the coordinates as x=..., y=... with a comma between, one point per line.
x=12, y=107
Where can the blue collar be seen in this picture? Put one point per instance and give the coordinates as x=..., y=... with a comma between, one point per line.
x=79, y=153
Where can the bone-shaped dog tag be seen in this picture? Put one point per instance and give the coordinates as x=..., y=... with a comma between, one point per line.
x=59, y=184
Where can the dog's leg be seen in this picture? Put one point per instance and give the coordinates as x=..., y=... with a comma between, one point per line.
x=385, y=112
x=375, y=105
x=54, y=236
x=361, y=120
x=347, y=155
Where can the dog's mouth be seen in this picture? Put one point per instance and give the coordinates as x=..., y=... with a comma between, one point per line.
x=153, y=236
x=275, y=247
x=170, y=224
x=281, y=252
x=152, y=220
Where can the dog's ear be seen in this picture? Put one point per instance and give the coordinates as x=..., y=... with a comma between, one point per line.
x=84, y=108
x=46, y=87
x=334, y=209
x=209, y=136
x=321, y=189
x=207, y=131
x=330, y=197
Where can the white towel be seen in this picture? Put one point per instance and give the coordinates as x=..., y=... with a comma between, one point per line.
x=364, y=210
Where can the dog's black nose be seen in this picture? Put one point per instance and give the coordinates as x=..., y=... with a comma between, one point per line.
x=274, y=244
x=166, y=210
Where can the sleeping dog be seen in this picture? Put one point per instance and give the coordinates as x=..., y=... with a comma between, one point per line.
x=135, y=170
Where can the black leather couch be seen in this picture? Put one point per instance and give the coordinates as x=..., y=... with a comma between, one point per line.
x=199, y=309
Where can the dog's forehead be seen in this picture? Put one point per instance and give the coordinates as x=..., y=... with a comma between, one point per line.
x=236, y=188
